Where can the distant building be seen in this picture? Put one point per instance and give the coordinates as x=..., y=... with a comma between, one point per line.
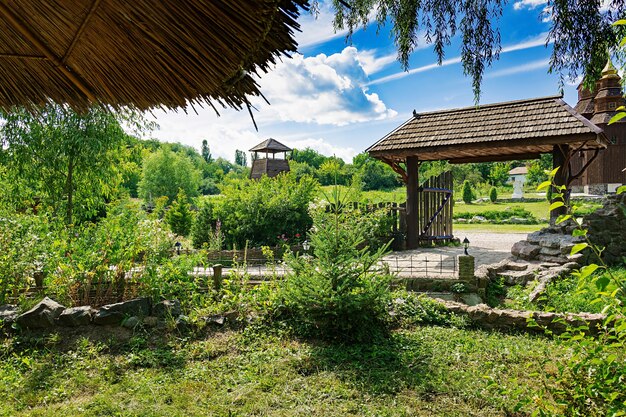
x=517, y=173
x=518, y=177
x=266, y=165
x=605, y=173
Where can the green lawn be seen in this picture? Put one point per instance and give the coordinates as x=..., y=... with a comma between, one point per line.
x=498, y=228
x=425, y=371
x=539, y=209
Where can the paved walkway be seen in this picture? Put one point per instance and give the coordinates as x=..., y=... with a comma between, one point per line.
x=436, y=262
x=440, y=262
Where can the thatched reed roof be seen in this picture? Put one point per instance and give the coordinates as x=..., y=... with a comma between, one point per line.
x=140, y=53
x=270, y=145
x=521, y=129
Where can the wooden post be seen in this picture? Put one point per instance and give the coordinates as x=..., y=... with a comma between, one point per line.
x=217, y=276
x=412, y=211
x=558, y=160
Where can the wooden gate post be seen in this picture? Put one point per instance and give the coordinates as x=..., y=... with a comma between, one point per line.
x=559, y=159
x=412, y=209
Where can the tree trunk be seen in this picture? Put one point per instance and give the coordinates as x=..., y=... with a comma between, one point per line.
x=69, y=187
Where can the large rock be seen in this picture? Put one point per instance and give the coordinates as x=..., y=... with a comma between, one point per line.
x=115, y=313
x=76, y=316
x=167, y=309
x=8, y=314
x=41, y=316
x=525, y=250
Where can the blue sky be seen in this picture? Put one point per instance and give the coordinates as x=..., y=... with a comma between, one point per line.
x=339, y=98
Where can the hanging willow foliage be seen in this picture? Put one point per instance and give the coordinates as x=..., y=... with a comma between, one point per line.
x=581, y=30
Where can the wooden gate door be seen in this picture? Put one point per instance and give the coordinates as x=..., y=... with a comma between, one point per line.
x=435, y=209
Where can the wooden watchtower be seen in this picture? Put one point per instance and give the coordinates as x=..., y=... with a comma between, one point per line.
x=269, y=166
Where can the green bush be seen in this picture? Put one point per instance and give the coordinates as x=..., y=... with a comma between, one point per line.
x=341, y=293
x=493, y=194
x=202, y=227
x=467, y=192
x=260, y=212
x=179, y=215
x=411, y=308
x=500, y=216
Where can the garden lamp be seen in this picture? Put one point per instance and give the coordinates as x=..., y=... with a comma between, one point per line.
x=466, y=243
x=178, y=245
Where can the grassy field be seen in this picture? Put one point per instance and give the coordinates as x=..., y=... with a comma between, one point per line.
x=424, y=371
x=498, y=228
x=539, y=209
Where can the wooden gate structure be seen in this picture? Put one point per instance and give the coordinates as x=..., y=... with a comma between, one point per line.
x=514, y=130
x=434, y=204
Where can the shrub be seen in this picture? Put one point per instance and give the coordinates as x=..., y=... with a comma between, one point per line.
x=260, y=212
x=340, y=293
x=467, y=192
x=501, y=216
x=419, y=309
x=201, y=229
x=493, y=194
x=179, y=215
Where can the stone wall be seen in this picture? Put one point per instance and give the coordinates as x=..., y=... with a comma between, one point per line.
x=606, y=228
x=528, y=321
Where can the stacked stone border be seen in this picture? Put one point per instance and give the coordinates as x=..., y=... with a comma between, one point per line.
x=528, y=321
x=48, y=314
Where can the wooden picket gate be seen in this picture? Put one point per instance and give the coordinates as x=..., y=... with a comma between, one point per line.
x=435, y=209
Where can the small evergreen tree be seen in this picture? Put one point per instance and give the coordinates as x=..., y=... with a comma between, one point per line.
x=179, y=215
x=201, y=229
x=341, y=292
x=493, y=194
x=467, y=192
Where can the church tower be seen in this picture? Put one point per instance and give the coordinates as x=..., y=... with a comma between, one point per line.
x=605, y=173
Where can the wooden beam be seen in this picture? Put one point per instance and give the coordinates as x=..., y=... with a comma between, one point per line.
x=20, y=56
x=17, y=24
x=412, y=209
x=81, y=29
x=534, y=155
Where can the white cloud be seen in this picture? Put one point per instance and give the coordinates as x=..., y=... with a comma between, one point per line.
x=528, y=4
x=371, y=63
x=531, y=66
x=539, y=40
x=317, y=28
x=321, y=89
x=403, y=74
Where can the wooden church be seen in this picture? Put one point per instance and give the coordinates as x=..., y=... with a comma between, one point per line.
x=606, y=170
x=262, y=164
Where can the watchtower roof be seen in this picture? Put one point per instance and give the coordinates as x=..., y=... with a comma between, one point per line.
x=270, y=145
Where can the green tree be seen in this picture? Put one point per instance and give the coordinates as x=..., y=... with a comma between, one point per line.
x=165, y=172
x=240, y=158
x=206, y=152
x=260, y=212
x=467, y=192
x=69, y=161
x=374, y=174
x=493, y=194
x=308, y=156
x=439, y=21
x=331, y=172
x=179, y=216
x=202, y=226
x=341, y=293
x=499, y=174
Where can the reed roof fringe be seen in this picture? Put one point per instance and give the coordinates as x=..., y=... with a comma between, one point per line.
x=142, y=54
